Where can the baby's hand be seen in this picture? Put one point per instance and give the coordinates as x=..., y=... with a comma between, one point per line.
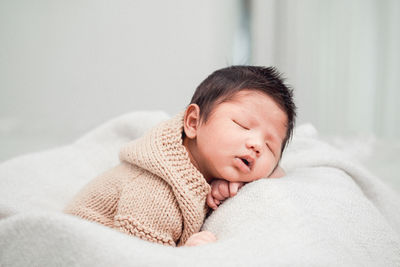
x=200, y=238
x=221, y=190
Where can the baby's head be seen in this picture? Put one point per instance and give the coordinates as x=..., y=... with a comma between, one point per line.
x=238, y=123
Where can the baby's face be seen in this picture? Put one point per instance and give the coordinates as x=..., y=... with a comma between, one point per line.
x=242, y=138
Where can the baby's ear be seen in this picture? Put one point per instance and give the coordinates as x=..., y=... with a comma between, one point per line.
x=191, y=120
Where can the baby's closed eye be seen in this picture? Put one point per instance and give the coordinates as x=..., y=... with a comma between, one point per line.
x=241, y=125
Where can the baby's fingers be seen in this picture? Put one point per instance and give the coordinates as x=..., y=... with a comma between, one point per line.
x=234, y=187
x=223, y=188
x=211, y=202
x=220, y=190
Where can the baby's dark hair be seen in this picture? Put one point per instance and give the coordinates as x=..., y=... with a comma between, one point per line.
x=222, y=84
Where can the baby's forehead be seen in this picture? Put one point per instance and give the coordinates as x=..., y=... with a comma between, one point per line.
x=244, y=99
x=251, y=105
x=243, y=102
x=244, y=96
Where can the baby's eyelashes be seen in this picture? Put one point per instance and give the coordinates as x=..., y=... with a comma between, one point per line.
x=241, y=125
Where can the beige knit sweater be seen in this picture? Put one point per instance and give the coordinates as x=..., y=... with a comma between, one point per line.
x=155, y=193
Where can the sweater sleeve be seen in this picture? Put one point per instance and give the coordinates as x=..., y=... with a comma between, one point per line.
x=147, y=208
x=97, y=201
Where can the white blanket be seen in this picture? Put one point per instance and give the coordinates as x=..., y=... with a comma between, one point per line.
x=328, y=211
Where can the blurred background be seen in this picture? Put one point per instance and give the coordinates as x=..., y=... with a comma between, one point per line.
x=68, y=66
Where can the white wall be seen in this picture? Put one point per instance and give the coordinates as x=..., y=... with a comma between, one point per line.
x=67, y=66
x=341, y=56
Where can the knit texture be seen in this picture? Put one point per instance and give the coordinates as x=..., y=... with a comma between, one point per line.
x=155, y=193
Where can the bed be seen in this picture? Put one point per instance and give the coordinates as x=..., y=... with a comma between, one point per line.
x=328, y=211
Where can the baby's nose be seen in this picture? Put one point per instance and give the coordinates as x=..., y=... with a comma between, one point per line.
x=255, y=146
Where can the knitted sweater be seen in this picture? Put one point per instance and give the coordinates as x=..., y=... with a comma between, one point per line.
x=155, y=193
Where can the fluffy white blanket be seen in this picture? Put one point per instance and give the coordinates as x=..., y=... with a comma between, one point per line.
x=328, y=211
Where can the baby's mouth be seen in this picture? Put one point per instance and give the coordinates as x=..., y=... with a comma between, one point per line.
x=246, y=162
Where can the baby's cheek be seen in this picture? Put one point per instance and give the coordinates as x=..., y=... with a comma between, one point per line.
x=267, y=167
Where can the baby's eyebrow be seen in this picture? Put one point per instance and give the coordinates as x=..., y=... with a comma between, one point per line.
x=251, y=118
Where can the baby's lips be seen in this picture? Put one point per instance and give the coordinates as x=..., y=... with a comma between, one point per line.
x=241, y=165
x=250, y=159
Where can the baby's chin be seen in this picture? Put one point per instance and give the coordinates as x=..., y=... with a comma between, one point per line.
x=234, y=176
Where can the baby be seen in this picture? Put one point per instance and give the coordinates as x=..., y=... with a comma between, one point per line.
x=233, y=132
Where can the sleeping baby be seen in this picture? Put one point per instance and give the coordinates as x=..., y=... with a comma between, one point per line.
x=233, y=132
